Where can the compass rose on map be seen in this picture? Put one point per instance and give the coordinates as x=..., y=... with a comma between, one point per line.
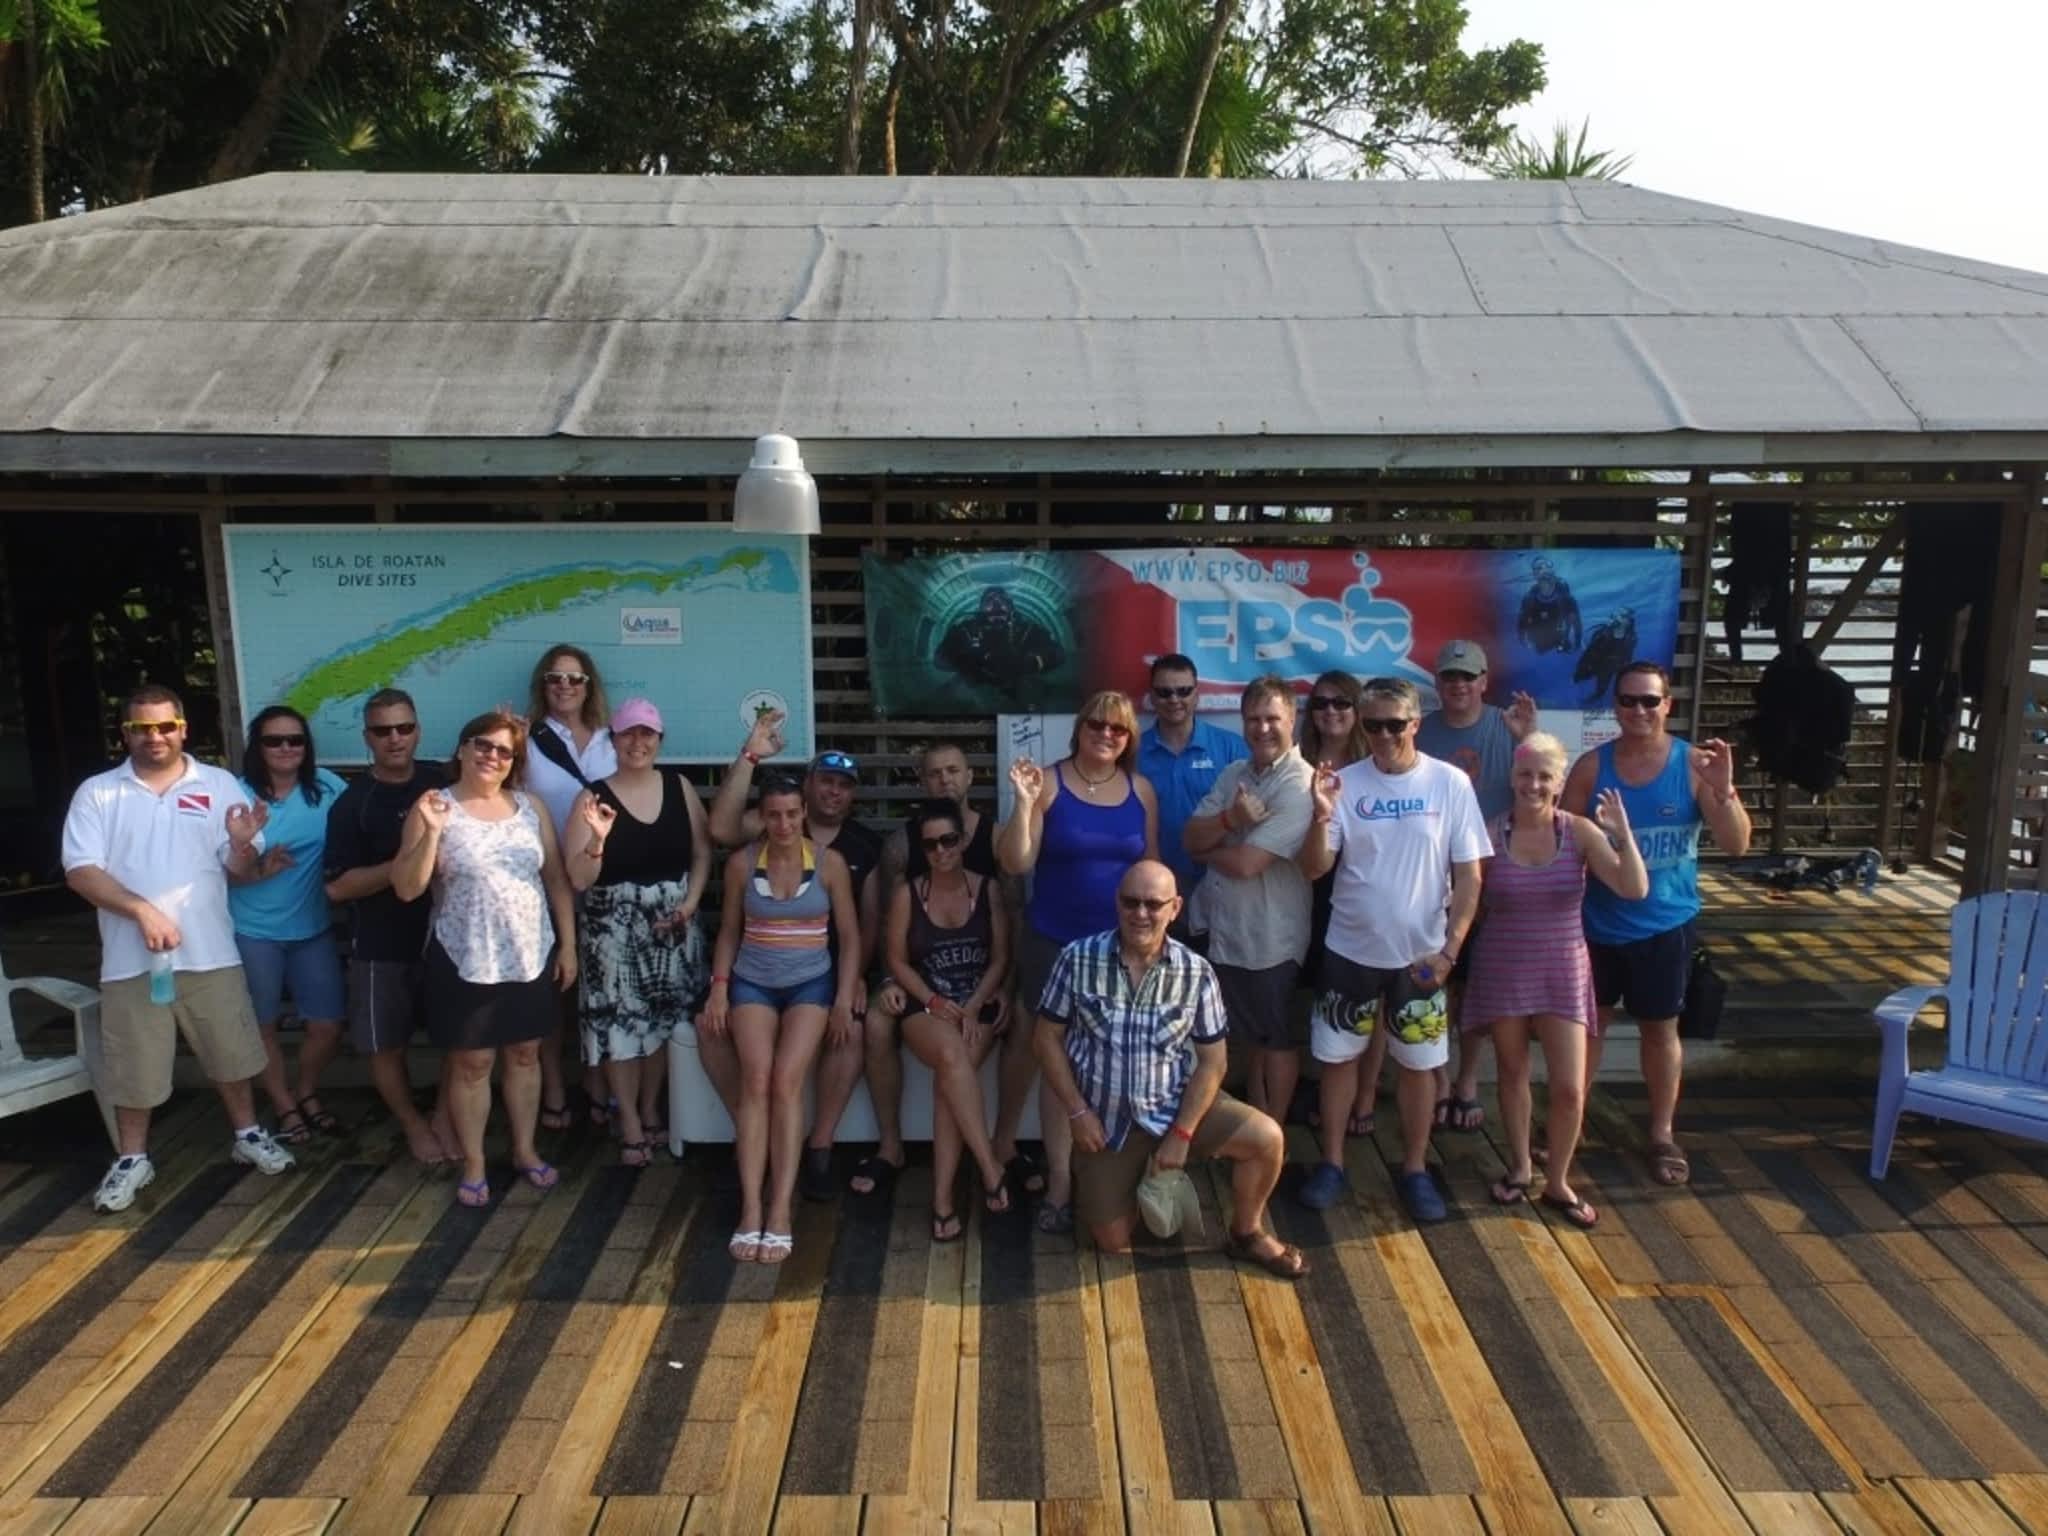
x=277, y=570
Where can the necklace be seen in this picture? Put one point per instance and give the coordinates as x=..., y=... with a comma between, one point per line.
x=1088, y=785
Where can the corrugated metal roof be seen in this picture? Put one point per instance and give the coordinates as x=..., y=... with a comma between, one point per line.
x=457, y=324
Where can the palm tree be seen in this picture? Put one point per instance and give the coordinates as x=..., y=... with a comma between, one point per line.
x=1527, y=158
x=41, y=41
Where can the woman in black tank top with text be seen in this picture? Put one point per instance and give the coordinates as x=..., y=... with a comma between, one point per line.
x=949, y=951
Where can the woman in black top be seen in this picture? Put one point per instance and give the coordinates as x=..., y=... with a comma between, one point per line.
x=949, y=950
x=641, y=853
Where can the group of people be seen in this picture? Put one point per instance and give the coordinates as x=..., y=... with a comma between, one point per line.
x=1422, y=876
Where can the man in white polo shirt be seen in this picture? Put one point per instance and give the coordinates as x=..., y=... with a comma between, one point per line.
x=153, y=844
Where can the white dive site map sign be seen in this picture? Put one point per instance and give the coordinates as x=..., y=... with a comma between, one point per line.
x=711, y=625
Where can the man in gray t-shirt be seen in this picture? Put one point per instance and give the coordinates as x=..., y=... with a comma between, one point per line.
x=1480, y=738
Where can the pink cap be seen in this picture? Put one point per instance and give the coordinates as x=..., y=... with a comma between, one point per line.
x=637, y=712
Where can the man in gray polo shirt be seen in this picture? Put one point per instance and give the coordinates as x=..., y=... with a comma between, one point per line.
x=1256, y=901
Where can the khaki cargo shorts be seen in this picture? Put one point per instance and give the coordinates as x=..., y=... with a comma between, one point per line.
x=139, y=1039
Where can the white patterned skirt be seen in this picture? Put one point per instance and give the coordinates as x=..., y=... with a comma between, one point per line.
x=641, y=977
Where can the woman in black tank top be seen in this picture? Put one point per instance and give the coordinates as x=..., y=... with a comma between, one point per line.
x=949, y=950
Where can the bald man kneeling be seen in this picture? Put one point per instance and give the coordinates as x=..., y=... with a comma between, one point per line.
x=1131, y=1039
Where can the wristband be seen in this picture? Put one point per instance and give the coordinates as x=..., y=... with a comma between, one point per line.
x=1085, y=1109
x=1176, y=1129
x=719, y=981
x=752, y=757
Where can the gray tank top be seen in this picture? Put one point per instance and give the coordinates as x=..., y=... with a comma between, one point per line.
x=785, y=940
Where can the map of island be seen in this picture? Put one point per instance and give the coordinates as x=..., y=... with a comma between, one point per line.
x=697, y=619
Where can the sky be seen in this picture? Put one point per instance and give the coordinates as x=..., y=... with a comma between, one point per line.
x=1915, y=122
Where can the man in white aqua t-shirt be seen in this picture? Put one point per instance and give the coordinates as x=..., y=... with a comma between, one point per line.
x=1404, y=833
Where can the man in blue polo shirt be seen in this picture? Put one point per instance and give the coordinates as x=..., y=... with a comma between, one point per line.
x=1183, y=757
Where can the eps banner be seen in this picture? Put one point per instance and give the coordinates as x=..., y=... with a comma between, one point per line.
x=1031, y=631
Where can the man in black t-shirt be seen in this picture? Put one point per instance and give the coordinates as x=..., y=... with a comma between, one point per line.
x=390, y=935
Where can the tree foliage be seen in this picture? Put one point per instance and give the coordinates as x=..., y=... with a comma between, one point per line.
x=1559, y=158
x=137, y=97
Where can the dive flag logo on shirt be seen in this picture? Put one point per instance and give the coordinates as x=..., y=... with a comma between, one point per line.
x=194, y=803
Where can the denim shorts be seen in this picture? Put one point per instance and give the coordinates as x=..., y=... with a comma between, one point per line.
x=818, y=991
x=308, y=969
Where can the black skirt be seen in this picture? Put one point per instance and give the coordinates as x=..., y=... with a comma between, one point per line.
x=480, y=1016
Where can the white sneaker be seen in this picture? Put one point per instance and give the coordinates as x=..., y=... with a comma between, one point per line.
x=128, y=1175
x=259, y=1149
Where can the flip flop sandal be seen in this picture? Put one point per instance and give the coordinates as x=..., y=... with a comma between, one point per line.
x=320, y=1119
x=743, y=1247
x=996, y=1201
x=292, y=1134
x=775, y=1247
x=1575, y=1210
x=1055, y=1220
x=947, y=1227
x=556, y=1117
x=1510, y=1191
x=1466, y=1114
x=1359, y=1126
x=1668, y=1165
x=1286, y=1261
x=474, y=1195
x=1026, y=1175
x=880, y=1174
x=635, y=1154
x=542, y=1176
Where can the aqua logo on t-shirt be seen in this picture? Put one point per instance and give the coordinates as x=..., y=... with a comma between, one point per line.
x=1392, y=808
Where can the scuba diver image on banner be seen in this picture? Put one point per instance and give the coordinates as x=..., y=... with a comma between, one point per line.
x=1579, y=616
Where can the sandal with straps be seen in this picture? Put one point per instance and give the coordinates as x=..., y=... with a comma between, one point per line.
x=321, y=1119
x=775, y=1247
x=1286, y=1260
x=635, y=1154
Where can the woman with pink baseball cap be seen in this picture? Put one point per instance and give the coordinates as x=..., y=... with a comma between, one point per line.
x=640, y=851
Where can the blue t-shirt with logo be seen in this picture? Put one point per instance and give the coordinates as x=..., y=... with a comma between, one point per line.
x=1665, y=817
x=1181, y=780
x=291, y=904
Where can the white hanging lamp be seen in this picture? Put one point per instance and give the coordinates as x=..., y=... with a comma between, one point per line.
x=776, y=494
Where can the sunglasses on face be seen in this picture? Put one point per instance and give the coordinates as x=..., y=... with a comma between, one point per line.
x=402, y=728
x=565, y=679
x=1184, y=691
x=283, y=739
x=1457, y=677
x=1384, y=727
x=1638, y=700
x=1109, y=728
x=945, y=842
x=1323, y=703
x=1147, y=904
x=153, y=727
x=484, y=747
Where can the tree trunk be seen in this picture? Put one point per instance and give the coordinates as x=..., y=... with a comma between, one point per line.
x=891, y=99
x=310, y=25
x=1210, y=53
x=856, y=87
x=32, y=109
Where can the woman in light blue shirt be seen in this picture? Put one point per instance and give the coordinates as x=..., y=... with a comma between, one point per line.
x=282, y=925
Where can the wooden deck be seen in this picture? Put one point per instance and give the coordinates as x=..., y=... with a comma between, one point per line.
x=1783, y=1347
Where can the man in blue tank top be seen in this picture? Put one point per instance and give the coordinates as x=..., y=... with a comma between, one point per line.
x=1642, y=950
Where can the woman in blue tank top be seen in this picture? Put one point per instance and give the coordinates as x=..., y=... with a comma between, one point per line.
x=1075, y=830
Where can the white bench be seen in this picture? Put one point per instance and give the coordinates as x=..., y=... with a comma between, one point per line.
x=696, y=1113
x=29, y=1082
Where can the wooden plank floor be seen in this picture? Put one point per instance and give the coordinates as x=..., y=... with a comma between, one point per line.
x=1781, y=1347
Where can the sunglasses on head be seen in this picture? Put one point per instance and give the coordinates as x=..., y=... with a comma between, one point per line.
x=402, y=728
x=1384, y=727
x=1638, y=700
x=570, y=679
x=834, y=762
x=283, y=739
x=1182, y=691
x=945, y=842
x=1144, y=903
x=1322, y=703
x=1111, y=728
x=483, y=746
x=153, y=727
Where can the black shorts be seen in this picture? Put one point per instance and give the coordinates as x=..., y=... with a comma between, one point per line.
x=1646, y=976
x=1260, y=1004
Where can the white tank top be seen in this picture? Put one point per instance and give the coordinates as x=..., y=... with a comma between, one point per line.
x=490, y=907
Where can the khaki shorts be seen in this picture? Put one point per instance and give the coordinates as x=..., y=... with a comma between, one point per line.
x=139, y=1039
x=1106, y=1182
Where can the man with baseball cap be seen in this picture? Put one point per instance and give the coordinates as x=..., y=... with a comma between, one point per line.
x=829, y=787
x=1467, y=732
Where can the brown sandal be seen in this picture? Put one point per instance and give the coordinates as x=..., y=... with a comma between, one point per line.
x=1286, y=1261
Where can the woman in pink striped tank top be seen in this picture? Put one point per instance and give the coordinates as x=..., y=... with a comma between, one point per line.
x=1530, y=974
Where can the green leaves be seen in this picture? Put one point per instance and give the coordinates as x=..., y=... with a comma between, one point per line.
x=1527, y=158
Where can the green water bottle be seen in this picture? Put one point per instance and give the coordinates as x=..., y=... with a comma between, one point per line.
x=163, y=979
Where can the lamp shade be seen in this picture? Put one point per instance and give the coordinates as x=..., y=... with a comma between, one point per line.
x=775, y=494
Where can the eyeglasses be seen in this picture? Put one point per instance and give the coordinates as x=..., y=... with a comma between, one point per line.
x=402, y=728
x=153, y=727
x=1638, y=700
x=1384, y=727
x=1145, y=903
x=945, y=842
x=1323, y=703
x=1110, y=728
x=281, y=739
x=565, y=679
x=1457, y=677
x=483, y=746
x=1185, y=691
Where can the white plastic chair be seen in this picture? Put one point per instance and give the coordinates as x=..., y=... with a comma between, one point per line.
x=28, y=1082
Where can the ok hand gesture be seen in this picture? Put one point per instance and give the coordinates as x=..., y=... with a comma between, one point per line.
x=598, y=817
x=1027, y=782
x=1521, y=713
x=1715, y=763
x=1327, y=788
x=1611, y=816
x=765, y=739
x=433, y=808
x=245, y=821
